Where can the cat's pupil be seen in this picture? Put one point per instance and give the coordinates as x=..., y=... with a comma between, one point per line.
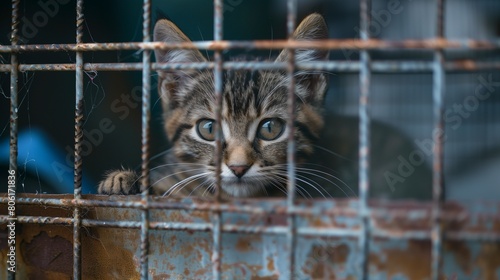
x=271, y=129
x=205, y=129
x=208, y=127
x=268, y=125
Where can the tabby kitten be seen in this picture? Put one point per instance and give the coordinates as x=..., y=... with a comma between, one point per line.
x=254, y=114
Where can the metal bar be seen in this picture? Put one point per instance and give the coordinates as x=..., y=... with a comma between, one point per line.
x=456, y=235
x=14, y=106
x=438, y=92
x=219, y=88
x=146, y=115
x=364, y=143
x=337, y=66
x=330, y=44
x=290, y=123
x=77, y=251
x=452, y=212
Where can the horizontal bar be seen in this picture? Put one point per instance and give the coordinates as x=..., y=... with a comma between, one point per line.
x=331, y=44
x=337, y=66
x=278, y=230
x=399, y=209
x=174, y=205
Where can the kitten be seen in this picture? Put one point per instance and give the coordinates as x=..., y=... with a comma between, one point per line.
x=254, y=114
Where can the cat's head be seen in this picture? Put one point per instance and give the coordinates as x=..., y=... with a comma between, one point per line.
x=254, y=112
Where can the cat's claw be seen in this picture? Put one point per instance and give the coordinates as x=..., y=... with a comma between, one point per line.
x=119, y=182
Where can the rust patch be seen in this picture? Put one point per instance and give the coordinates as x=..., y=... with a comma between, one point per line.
x=244, y=243
x=253, y=270
x=164, y=277
x=466, y=64
x=203, y=215
x=488, y=260
x=272, y=277
x=276, y=219
x=461, y=254
x=48, y=254
x=323, y=261
x=270, y=263
x=161, y=277
x=106, y=257
x=317, y=222
x=496, y=226
x=186, y=271
x=412, y=261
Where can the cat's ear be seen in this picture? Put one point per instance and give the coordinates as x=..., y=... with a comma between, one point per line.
x=166, y=31
x=313, y=27
x=171, y=80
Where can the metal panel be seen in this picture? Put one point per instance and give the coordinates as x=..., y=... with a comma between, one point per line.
x=253, y=243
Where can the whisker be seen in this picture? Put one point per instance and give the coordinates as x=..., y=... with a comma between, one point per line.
x=302, y=179
x=305, y=180
x=281, y=168
x=176, y=164
x=176, y=173
x=311, y=172
x=333, y=153
x=278, y=177
x=210, y=187
x=177, y=186
x=200, y=185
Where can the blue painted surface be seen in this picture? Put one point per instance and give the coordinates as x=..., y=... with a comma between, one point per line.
x=39, y=156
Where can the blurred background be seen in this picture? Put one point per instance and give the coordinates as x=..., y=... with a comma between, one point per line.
x=401, y=103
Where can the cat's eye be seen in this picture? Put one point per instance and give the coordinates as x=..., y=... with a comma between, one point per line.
x=206, y=129
x=271, y=129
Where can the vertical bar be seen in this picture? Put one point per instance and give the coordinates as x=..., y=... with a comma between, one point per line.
x=291, y=232
x=78, y=143
x=218, y=87
x=437, y=173
x=364, y=142
x=13, y=101
x=146, y=115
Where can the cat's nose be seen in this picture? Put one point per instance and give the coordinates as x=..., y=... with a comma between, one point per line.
x=239, y=170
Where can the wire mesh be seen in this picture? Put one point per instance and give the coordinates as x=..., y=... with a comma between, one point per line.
x=366, y=213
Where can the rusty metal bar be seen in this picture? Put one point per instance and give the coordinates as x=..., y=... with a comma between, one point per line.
x=176, y=205
x=14, y=106
x=452, y=211
x=364, y=143
x=337, y=66
x=78, y=168
x=456, y=235
x=331, y=44
x=219, y=91
x=146, y=116
x=485, y=235
x=290, y=123
x=275, y=207
x=438, y=92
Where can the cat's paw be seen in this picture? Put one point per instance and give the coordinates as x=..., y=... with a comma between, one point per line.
x=119, y=182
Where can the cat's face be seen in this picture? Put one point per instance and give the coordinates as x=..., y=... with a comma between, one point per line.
x=254, y=113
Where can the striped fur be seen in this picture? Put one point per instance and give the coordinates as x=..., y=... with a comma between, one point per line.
x=249, y=99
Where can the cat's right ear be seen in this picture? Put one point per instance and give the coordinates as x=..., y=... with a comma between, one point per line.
x=170, y=80
x=167, y=31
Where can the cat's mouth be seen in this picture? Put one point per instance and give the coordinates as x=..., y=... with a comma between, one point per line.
x=242, y=187
x=238, y=181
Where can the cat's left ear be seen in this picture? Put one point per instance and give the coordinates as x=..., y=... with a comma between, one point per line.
x=313, y=27
x=171, y=81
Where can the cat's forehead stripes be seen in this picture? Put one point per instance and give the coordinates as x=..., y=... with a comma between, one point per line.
x=241, y=94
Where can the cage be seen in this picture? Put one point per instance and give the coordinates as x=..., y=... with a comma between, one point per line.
x=413, y=95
